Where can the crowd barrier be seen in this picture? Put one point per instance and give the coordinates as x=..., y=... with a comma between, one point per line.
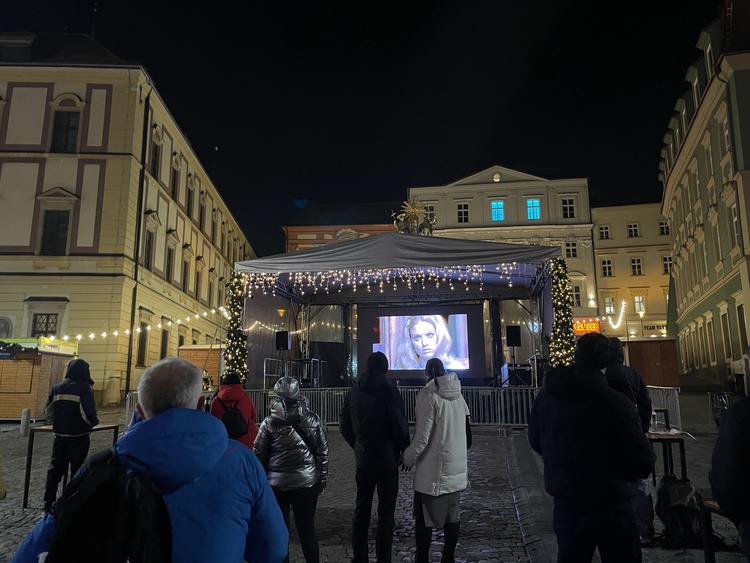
x=489, y=406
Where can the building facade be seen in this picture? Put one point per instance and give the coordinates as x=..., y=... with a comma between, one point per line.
x=633, y=255
x=111, y=231
x=704, y=171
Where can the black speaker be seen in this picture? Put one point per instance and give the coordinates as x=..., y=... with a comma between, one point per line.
x=283, y=340
x=512, y=335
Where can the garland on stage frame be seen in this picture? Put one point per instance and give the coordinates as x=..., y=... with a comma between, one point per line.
x=235, y=354
x=562, y=342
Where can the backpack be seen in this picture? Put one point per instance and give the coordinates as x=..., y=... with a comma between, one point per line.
x=234, y=420
x=109, y=514
x=678, y=507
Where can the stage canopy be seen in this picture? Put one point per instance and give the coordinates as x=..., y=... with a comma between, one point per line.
x=395, y=267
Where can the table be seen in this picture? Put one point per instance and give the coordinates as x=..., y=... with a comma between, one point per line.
x=48, y=428
x=667, y=441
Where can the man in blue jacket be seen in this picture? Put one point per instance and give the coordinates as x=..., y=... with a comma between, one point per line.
x=72, y=410
x=220, y=504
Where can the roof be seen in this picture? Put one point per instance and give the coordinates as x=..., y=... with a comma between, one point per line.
x=24, y=48
x=396, y=266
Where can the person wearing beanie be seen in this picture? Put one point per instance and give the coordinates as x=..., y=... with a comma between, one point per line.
x=71, y=409
x=594, y=452
x=373, y=422
x=292, y=446
x=231, y=392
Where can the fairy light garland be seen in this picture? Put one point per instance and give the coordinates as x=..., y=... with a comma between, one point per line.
x=235, y=354
x=619, y=318
x=562, y=340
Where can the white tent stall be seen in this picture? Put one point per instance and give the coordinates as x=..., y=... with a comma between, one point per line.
x=337, y=300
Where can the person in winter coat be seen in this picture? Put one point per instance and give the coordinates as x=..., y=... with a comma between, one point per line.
x=594, y=450
x=441, y=438
x=629, y=382
x=293, y=447
x=230, y=392
x=373, y=423
x=730, y=466
x=220, y=504
x=72, y=410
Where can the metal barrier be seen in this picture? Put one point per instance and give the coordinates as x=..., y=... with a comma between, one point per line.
x=667, y=398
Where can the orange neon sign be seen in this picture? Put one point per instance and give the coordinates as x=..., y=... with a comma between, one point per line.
x=583, y=326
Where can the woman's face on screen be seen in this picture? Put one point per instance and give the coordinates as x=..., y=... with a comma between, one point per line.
x=424, y=339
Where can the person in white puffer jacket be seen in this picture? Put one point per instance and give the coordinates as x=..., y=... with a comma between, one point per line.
x=442, y=437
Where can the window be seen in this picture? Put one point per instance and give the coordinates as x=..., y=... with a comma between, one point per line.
x=45, y=324
x=65, y=131
x=725, y=334
x=711, y=341
x=197, y=283
x=190, y=201
x=709, y=158
x=533, y=209
x=609, y=305
x=142, y=345
x=606, y=268
x=576, y=295
x=148, y=250
x=213, y=227
x=498, y=210
x=211, y=287
x=633, y=230
x=202, y=216
x=571, y=250
x=169, y=266
x=636, y=267
x=666, y=265
x=429, y=211
x=164, y=348
x=639, y=301
x=735, y=225
x=174, y=183
x=724, y=139
x=55, y=233
x=180, y=340
x=185, y=274
x=696, y=93
x=663, y=228
x=603, y=232
x=155, y=159
x=743, y=328
x=568, y=208
x=463, y=212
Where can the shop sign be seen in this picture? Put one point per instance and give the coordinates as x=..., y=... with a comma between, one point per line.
x=582, y=326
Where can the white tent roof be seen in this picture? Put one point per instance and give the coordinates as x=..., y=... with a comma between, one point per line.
x=405, y=264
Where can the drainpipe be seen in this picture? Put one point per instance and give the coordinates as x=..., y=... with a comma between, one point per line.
x=137, y=245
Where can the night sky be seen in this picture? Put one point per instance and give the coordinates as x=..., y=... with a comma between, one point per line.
x=292, y=102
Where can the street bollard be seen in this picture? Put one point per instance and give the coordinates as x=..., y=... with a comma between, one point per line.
x=25, y=421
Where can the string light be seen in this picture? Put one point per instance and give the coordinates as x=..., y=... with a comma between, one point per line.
x=620, y=318
x=562, y=340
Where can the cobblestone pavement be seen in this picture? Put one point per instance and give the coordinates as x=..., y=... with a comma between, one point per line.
x=506, y=514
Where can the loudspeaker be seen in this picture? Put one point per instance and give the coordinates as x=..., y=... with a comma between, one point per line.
x=283, y=340
x=512, y=335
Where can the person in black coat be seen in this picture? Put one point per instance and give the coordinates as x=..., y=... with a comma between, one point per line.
x=730, y=467
x=593, y=449
x=628, y=381
x=373, y=423
x=72, y=410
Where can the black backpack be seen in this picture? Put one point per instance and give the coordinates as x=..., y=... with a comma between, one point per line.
x=234, y=420
x=109, y=514
x=678, y=507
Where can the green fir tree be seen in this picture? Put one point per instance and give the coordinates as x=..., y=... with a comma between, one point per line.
x=235, y=354
x=562, y=342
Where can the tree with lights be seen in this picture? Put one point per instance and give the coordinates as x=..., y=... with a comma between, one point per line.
x=562, y=342
x=235, y=354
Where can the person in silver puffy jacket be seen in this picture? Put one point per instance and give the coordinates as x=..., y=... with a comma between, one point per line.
x=292, y=445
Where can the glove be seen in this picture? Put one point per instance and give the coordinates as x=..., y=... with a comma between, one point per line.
x=321, y=487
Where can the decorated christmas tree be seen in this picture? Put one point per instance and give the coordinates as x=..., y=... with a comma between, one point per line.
x=562, y=342
x=235, y=354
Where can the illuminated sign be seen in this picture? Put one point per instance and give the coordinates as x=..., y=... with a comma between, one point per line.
x=582, y=326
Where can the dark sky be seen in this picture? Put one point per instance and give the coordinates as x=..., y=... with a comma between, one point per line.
x=355, y=101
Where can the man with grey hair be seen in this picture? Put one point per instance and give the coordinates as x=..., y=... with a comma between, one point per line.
x=220, y=503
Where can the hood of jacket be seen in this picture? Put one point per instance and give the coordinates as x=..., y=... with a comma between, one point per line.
x=567, y=380
x=447, y=386
x=372, y=380
x=78, y=370
x=616, y=354
x=290, y=410
x=231, y=392
x=174, y=448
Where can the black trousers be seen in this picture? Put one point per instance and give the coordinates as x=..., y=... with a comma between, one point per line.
x=386, y=482
x=66, y=451
x=304, y=503
x=613, y=529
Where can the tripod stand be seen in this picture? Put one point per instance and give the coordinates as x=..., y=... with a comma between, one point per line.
x=513, y=377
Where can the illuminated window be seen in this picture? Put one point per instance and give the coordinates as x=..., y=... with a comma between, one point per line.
x=640, y=303
x=533, y=209
x=576, y=295
x=609, y=305
x=498, y=210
